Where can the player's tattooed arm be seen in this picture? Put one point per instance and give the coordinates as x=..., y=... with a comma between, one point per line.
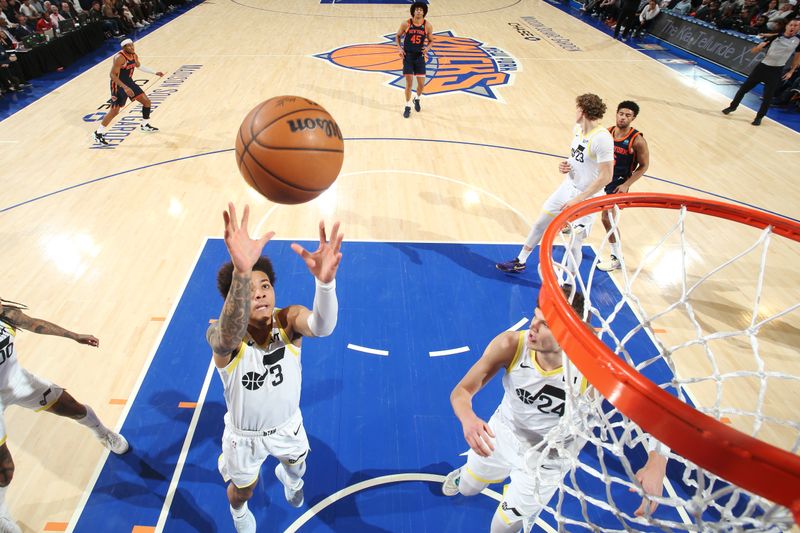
x=227, y=333
x=37, y=325
x=43, y=327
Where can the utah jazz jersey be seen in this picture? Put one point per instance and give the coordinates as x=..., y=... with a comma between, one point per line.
x=262, y=383
x=415, y=37
x=587, y=151
x=8, y=355
x=624, y=155
x=534, y=398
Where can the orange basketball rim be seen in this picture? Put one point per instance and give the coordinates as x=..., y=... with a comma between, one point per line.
x=742, y=460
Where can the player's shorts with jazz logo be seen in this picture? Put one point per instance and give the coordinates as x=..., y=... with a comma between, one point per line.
x=455, y=64
x=17, y=385
x=243, y=452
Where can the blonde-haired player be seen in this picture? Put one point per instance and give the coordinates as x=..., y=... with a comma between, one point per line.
x=588, y=169
x=533, y=403
x=257, y=354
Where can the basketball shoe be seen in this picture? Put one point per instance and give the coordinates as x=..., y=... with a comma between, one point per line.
x=147, y=127
x=513, y=266
x=450, y=485
x=114, y=442
x=611, y=264
x=417, y=107
x=294, y=497
x=100, y=138
x=246, y=523
x=407, y=112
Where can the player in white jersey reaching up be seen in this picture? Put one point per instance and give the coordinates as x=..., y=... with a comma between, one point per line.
x=20, y=387
x=533, y=403
x=589, y=168
x=257, y=354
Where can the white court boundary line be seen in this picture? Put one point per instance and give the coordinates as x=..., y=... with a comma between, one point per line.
x=134, y=392
x=441, y=353
x=364, y=349
x=187, y=443
x=385, y=480
x=522, y=322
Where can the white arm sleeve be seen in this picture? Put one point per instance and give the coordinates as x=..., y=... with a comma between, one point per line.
x=146, y=69
x=325, y=311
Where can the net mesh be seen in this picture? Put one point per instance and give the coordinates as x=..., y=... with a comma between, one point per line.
x=706, y=310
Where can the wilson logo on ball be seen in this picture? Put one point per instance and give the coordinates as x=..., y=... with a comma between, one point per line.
x=289, y=149
x=330, y=128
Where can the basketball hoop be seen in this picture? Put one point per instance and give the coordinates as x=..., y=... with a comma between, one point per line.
x=715, y=448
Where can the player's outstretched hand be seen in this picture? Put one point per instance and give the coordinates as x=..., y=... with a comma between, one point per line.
x=91, y=340
x=323, y=262
x=479, y=436
x=244, y=250
x=651, y=476
x=564, y=167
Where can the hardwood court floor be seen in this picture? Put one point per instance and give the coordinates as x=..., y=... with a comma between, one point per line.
x=109, y=256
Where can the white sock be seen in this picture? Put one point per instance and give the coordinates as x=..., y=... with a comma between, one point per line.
x=523, y=255
x=240, y=512
x=92, y=422
x=615, y=249
x=101, y=129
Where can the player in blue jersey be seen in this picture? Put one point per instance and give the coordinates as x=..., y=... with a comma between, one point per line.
x=414, y=39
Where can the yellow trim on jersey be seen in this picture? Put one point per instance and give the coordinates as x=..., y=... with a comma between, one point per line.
x=48, y=406
x=500, y=510
x=10, y=328
x=230, y=367
x=554, y=215
x=3, y=440
x=224, y=477
x=474, y=475
x=245, y=486
x=584, y=385
x=292, y=347
x=518, y=353
x=589, y=136
x=542, y=371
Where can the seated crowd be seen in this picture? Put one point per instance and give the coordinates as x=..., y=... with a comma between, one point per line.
x=752, y=17
x=764, y=18
x=25, y=23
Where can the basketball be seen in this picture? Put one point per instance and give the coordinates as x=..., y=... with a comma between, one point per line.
x=289, y=149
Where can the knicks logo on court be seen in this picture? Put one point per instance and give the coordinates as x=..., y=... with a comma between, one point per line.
x=454, y=64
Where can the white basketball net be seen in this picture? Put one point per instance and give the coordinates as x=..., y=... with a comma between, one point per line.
x=738, y=365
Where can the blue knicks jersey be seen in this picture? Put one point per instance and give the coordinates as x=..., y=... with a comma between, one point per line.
x=414, y=39
x=126, y=72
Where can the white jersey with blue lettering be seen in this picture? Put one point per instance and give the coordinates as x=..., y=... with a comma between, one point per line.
x=262, y=383
x=534, y=399
x=587, y=151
